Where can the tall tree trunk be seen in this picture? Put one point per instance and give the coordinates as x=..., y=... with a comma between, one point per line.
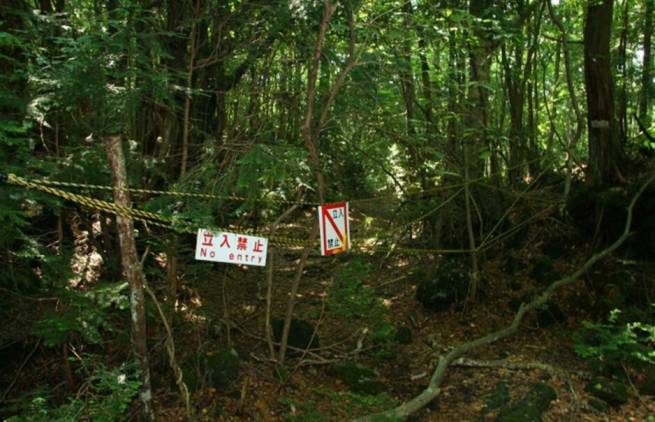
x=605, y=149
x=516, y=100
x=480, y=56
x=647, y=72
x=408, y=90
x=186, y=123
x=622, y=104
x=132, y=269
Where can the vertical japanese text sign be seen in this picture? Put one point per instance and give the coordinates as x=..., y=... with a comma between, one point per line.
x=334, y=227
x=231, y=248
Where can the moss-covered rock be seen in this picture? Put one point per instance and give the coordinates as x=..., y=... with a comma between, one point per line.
x=531, y=407
x=358, y=378
x=497, y=398
x=448, y=285
x=614, y=392
x=222, y=368
x=300, y=333
x=589, y=207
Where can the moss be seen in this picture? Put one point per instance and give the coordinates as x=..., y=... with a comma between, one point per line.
x=531, y=407
x=223, y=367
x=615, y=393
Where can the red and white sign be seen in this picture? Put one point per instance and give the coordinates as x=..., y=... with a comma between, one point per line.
x=231, y=248
x=335, y=229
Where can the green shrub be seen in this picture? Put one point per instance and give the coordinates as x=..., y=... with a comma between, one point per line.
x=104, y=396
x=86, y=313
x=349, y=297
x=617, y=342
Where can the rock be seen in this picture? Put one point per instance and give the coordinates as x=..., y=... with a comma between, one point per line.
x=358, y=378
x=497, y=398
x=615, y=393
x=549, y=314
x=447, y=286
x=586, y=206
x=531, y=407
x=300, y=333
x=222, y=368
x=403, y=335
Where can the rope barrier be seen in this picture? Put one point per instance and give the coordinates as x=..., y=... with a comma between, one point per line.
x=181, y=226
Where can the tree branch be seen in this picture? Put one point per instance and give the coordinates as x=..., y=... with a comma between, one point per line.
x=433, y=390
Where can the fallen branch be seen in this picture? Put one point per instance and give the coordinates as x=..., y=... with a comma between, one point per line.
x=516, y=366
x=432, y=391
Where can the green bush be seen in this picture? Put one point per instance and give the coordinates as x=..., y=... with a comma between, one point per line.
x=617, y=342
x=86, y=314
x=349, y=297
x=104, y=396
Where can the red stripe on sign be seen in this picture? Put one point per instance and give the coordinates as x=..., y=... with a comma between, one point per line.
x=334, y=225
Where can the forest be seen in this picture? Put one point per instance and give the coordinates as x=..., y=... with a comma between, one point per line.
x=327, y=210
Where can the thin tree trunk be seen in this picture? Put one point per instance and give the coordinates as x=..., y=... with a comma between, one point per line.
x=473, y=287
x=309, y=136
x=132, y=269
x=579, y=120
x=187, y=96
x=622, y=65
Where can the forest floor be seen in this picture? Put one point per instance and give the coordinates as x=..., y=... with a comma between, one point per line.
x=226, y=309
x=311, y=392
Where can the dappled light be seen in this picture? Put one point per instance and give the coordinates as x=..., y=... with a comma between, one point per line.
x=327, y=210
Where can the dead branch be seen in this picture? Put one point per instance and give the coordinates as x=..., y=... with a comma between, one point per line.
x=433, y=389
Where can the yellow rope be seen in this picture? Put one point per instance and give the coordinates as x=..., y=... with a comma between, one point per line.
x=158, y=220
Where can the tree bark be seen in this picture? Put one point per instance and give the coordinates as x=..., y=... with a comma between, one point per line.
x=622, y=104
x=131, y=268
x=480, y=57
x=605, y=149
x=647, y=69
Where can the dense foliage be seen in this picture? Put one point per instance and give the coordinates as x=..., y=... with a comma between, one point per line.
x=434, y=118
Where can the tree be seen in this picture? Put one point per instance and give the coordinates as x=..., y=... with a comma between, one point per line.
x=647, y=68
x=606, y=155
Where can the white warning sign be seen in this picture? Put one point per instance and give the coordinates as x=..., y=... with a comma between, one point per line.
x=231, y=248
x=335, y=228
